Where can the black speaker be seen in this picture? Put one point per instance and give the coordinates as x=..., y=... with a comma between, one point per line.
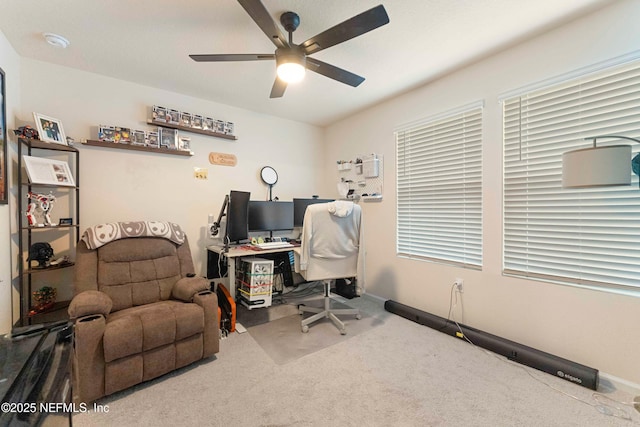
x=554, y=365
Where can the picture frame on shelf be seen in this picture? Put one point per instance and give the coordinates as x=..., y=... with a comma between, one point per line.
x=3, y=143
x=48, y=171
x=50, y=129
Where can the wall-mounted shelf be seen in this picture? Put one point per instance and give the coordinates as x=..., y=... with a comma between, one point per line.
x=95, y=143
x=49, y=268
x=192, y=130
x=48, y=227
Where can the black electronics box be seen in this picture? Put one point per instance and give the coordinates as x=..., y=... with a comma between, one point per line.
x=346, y=288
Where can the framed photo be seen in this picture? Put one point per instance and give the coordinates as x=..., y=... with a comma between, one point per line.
x=50, y=129
x=48, y=171
x=3, y=142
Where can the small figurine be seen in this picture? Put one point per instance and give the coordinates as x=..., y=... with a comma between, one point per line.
x=45, y=298
x=41, y=252
x=45, y=202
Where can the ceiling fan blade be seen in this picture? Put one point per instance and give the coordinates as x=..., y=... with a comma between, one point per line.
x=334, y=72
x=278, y=88
x=232, y=57
x=353, y=27
x=260, y=15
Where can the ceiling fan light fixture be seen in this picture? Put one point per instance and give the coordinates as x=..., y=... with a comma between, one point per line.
x=291, y=65
x=291, y=72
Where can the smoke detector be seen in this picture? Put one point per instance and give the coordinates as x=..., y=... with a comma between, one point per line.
x=56, y=40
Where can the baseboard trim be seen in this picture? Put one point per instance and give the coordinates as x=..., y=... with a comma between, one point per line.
x=615, y=383
x=373, y=296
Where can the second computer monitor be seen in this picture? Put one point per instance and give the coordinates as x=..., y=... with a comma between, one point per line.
x=270, y=216
x=237, y=212
x=300, y=206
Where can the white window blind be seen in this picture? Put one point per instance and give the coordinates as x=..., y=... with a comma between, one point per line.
x=439, y=197
x=588, y=237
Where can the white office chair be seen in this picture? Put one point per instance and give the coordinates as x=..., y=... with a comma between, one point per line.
x=330, y=249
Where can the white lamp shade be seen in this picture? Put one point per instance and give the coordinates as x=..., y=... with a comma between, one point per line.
x=597, y=167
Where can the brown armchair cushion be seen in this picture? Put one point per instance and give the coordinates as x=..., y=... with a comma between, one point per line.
x=187, y=287
x=90, y=302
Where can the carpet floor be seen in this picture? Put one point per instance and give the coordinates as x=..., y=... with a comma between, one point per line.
x=282, y=340
x=394, y=373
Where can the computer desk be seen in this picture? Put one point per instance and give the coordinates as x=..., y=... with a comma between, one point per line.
x=240, y=251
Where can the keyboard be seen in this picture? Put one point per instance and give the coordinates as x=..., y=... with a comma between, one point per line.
x=272, y=245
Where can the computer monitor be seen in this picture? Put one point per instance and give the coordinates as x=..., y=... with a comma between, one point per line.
x=237, y=216
x=300, y=206
x=270, y=216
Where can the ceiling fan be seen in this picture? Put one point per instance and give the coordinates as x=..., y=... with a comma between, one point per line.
x=292, y=59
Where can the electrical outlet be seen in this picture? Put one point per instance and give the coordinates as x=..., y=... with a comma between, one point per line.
x=459, y=283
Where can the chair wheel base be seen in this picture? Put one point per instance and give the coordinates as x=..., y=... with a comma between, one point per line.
x=305, y=328
x=358, y=316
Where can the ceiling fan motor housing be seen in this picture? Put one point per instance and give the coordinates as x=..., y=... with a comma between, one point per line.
x=290, y=21
x=291, y=54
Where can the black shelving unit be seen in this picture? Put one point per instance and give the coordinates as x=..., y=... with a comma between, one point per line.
x=28, y=234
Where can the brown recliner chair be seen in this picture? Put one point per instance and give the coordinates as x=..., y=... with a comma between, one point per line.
x=139, y=312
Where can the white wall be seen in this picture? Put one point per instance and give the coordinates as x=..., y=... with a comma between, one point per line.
x=119, y=185
x=594, y=328
x=10, y=64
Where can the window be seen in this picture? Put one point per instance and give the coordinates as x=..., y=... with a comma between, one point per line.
x=439, y=202
x=589, y=237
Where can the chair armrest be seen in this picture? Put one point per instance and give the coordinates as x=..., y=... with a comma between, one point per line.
x=187, y=287
x=89, y=303
x=209, y=302
x=88, y=356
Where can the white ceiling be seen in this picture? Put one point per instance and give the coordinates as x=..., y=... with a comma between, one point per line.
x=148, y=42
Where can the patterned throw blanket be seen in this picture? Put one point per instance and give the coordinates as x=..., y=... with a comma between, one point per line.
x=102, y=234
